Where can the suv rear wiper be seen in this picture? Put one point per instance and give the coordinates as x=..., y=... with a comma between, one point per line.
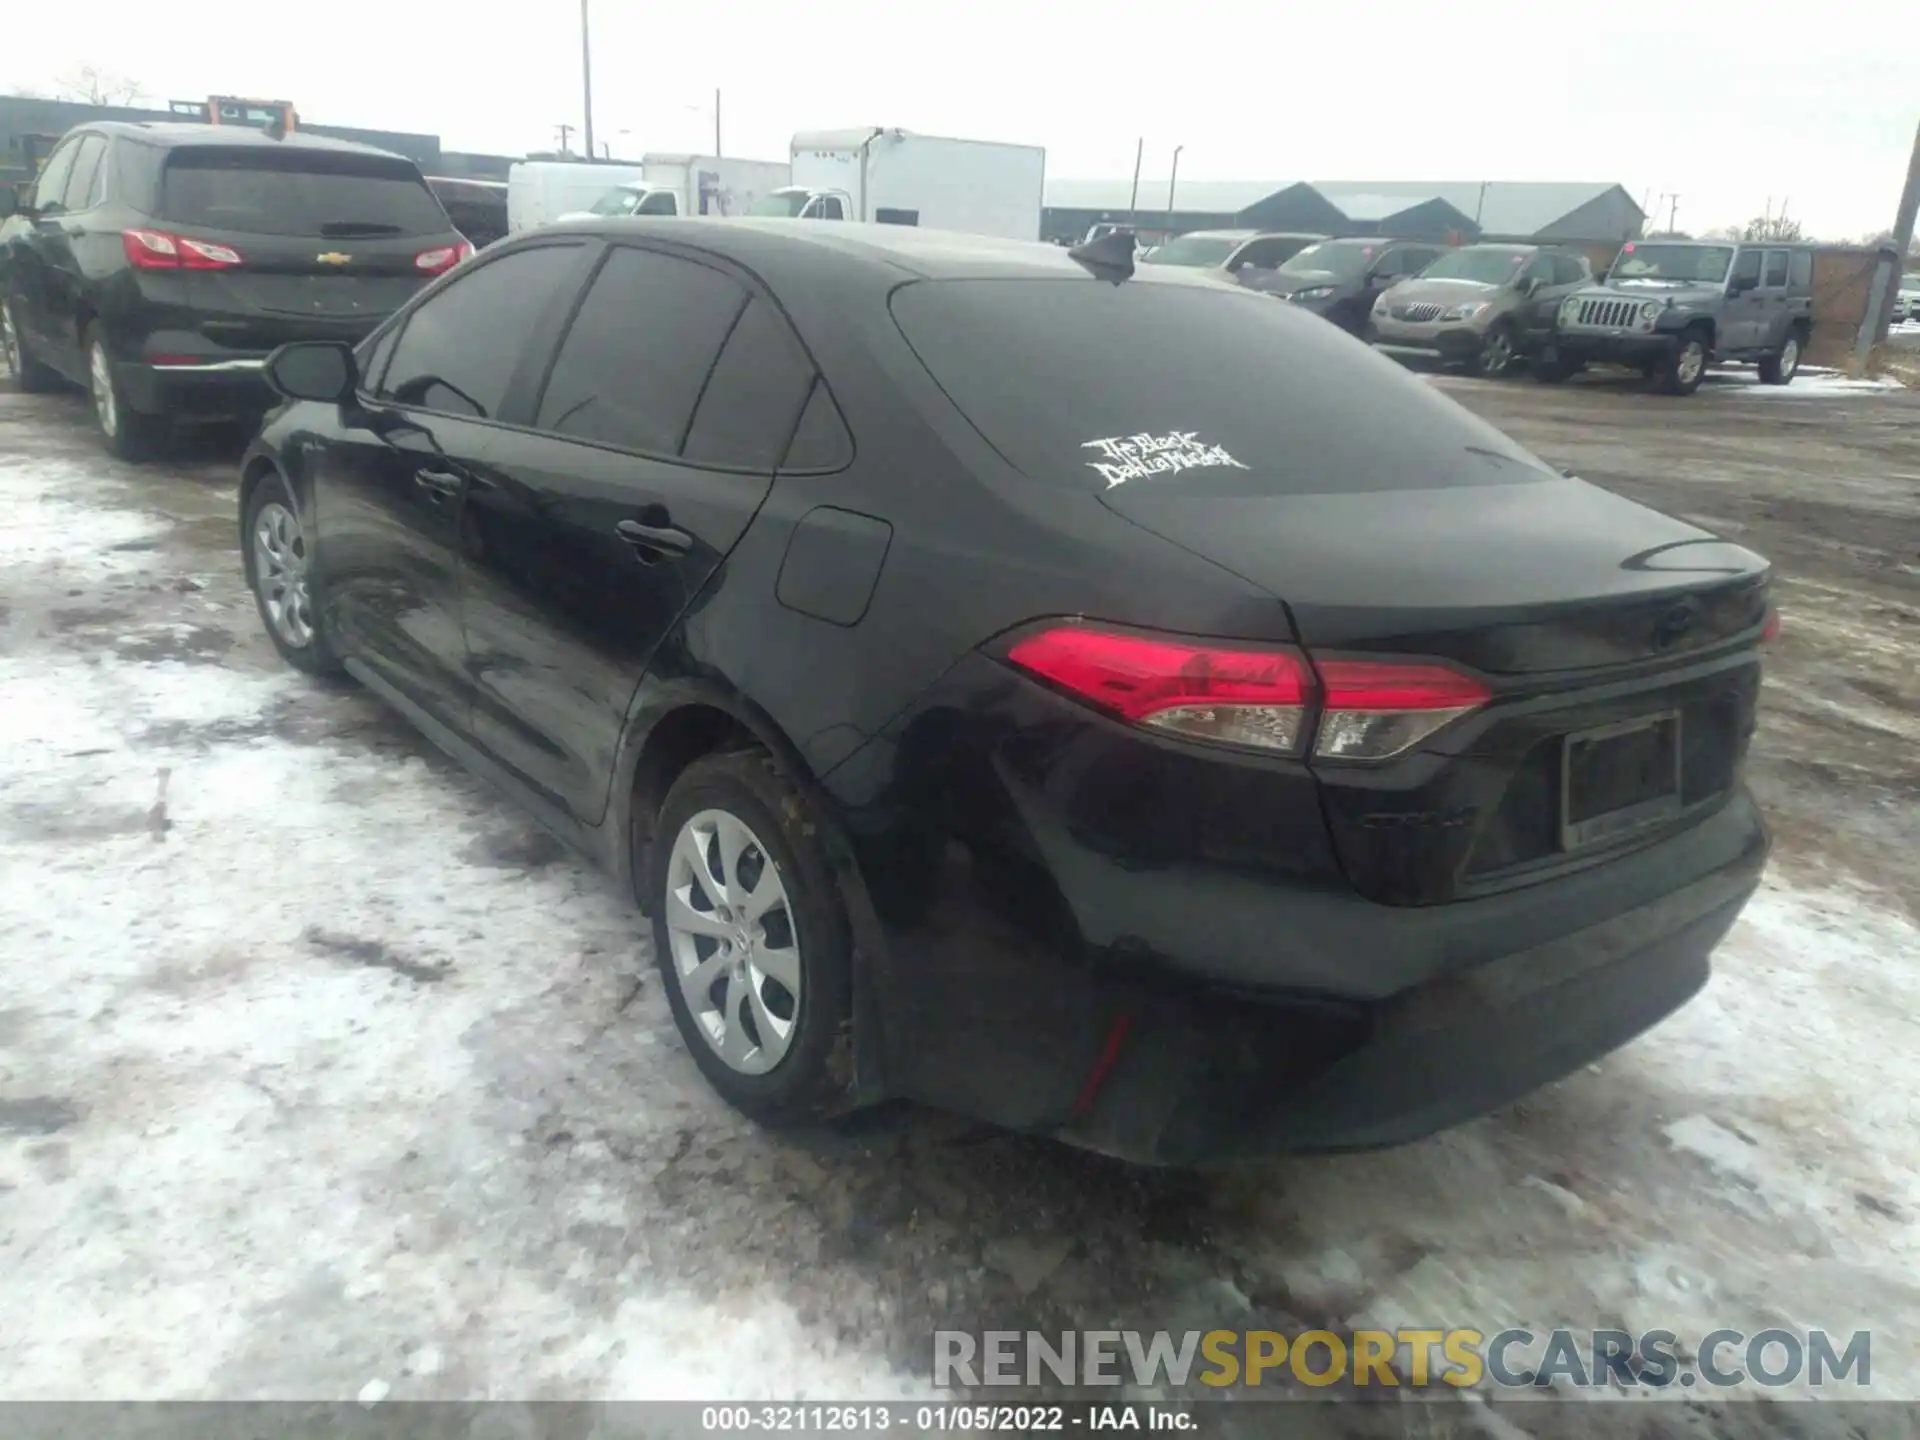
x=341, y=229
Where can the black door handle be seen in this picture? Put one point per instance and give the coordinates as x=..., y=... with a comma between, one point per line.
x=662, y=539
x=440, y=482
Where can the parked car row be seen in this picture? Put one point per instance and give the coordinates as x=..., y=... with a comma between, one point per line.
x=1670, y=309
x=1087, y=754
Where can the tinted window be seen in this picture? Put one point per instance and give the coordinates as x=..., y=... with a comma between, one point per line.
x=820, y=440
x=747, y=412
x=1800, y=271
x=1776, y=269
x=659, y=202
x=82, y=182
x=52, y=184
x=1054, y=372
x=372, y=357
x=1747, y=266
x=316, y=194
x=639, y=351
x=458, y=351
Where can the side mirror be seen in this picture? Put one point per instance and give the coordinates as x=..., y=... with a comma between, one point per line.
x=313, y=370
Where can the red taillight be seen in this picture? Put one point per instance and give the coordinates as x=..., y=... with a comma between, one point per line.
x=1262, y=698
x=1375, y=710
x=1770, y=630
x=157, y=250
x=442, y=258
x=1222, y=693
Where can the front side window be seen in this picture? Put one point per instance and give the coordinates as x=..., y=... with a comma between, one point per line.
x=617, y=201
x=658, y=202
x=1746, y=269
x=459, y=349
x=631, y=368
x=828, y=207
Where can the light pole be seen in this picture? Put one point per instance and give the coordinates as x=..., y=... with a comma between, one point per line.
x=1172, y=181
x=586, y=75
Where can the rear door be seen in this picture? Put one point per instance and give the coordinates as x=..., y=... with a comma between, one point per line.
x=1740, y=322
x=1773, y=314
x=653, y=442
x=69, y=244
x=328, y=243
x=388, y=493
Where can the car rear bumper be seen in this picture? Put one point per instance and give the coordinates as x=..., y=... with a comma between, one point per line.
x=230, y=388
x=1152, y=954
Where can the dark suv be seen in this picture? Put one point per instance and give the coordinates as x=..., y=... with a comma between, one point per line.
x=158, y=264
x=1341, y=279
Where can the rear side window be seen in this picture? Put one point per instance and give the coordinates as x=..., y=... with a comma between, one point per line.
x=1776, y=269
x=1800, y=269
x=752, y=401
x=319, y=195
x=50, y=188
x=638, y=354
x=1194, y=390
x=458, y=351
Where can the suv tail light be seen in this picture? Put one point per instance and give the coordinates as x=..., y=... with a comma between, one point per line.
x=1770, y=629
x=442, y=258
x=1264, y=698
x=157, y=250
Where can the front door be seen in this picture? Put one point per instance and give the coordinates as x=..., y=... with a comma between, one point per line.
x=390, y=486
x=652, y=443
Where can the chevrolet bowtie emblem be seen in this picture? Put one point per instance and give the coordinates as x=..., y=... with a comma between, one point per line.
x=333, y=257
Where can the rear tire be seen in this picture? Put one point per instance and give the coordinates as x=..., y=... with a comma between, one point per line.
x=29, y=376
x=1781, y=367
x=735, y=824
x=127, y=433
x=1681, y=371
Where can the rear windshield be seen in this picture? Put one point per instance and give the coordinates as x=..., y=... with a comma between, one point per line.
x=288, y=192
x=1214, y=391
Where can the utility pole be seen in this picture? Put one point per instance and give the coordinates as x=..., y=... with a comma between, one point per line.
x=586, y=75
x=566, y=132
x=1172, y=181
x=1480, y=205
x=717, y=151
x=1133, y=204
x=1886, y=277
x=1673, y=213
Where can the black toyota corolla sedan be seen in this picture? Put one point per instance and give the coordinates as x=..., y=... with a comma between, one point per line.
x=1102, y=702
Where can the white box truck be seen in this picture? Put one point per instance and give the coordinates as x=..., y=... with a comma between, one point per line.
x=897, y=177
x=541, y=191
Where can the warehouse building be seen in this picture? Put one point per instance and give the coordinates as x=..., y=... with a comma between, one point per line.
x=1454, y=212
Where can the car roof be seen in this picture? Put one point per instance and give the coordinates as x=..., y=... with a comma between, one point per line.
x=1216, y=235
x=900, y=251
x=175, y=134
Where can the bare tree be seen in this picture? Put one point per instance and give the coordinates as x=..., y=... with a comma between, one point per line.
x=94, y=86
x=1773, y=227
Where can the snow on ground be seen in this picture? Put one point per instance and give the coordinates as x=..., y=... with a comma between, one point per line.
x=322, y=1074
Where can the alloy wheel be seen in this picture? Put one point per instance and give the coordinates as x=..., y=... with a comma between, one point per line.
x=1496, y=353
x=280, y=574
x=735, y=947
x=1790, y=358
x=100, y=372
x=1690, y=362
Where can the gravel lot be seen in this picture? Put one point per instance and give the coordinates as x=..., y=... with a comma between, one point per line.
x=323, y=1074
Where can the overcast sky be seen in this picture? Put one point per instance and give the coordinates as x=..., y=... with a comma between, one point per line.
x=1729, y=103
